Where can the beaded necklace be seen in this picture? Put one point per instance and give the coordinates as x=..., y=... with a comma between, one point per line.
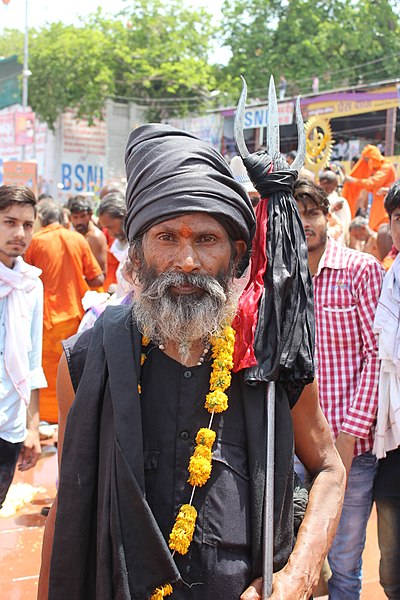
x=200, y=463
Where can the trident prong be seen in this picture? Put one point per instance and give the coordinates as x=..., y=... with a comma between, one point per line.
x=301, y=145
x=272, y=129
x=239, y=122
x=272, y=121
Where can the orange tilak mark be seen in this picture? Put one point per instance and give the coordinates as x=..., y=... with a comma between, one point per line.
x=185, y=231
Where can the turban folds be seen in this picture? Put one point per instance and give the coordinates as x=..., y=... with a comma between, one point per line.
x=171, y=172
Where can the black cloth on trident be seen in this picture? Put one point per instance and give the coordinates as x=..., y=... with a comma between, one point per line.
x=284, y=337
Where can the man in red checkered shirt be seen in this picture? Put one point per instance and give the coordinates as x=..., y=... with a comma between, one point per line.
x=347, y=285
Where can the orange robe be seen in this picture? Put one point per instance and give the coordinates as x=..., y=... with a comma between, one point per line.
x=66, y=261
x=384, y=176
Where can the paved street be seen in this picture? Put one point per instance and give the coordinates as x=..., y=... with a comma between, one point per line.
x=21, y=537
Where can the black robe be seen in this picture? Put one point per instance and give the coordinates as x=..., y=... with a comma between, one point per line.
x=107, y=544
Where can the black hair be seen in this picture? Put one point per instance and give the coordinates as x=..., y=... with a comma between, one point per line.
x=79, y=204
x=305, y=189
x=16, y=194
x=392, y=200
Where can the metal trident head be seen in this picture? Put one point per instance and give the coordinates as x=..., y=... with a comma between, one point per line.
x=272, y=128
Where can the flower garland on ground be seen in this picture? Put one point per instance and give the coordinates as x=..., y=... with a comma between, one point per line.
x=200, y=463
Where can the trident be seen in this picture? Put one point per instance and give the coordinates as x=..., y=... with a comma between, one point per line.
x=279, y=163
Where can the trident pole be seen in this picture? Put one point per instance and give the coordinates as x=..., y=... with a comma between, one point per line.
x=268, y=521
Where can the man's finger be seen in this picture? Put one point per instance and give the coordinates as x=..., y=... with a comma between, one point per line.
x=254, y=591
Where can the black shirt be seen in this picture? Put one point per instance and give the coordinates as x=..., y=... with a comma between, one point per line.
x=217, y=564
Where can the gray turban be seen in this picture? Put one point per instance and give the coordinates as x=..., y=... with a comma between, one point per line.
x=171, y=173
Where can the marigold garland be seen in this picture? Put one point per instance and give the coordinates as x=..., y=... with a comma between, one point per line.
x=200, y=463
x=183, y=529
x=161, y=592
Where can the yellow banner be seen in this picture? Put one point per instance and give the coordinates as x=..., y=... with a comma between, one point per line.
x=342, y=104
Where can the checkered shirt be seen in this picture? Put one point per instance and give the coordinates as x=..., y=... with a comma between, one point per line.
x=346, y=292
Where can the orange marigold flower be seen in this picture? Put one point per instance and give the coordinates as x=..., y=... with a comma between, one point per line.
x=183, y=529
x=161, y=592
x=216, y=401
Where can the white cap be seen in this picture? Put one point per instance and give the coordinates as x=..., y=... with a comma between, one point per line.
x=240, y=174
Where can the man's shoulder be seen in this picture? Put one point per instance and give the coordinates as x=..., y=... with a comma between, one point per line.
x=113, y=325
x=95, y=232
x=352, y=259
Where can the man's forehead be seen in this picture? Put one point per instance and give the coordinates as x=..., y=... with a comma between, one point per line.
x=195, y=221
x=24, y=212
x=307, y=202
x=81, y=213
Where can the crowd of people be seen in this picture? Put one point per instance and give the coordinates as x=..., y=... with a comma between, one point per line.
x=130, y=306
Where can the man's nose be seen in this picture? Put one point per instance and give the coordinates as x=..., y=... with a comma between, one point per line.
x=187, y=258
x=19, y=232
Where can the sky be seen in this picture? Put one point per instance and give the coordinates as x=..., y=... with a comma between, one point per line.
x=42, y=11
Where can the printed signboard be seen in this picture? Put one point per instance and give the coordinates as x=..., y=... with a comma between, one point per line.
x=18, y=172
x=354, y=102
x=83, y=155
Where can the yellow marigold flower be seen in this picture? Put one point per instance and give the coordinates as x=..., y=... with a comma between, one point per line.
x=183, y=529
x=200, y=466
x=202, y=451
x=223, y=360
x=161, y=592
x=145, y=340
x=143, y=357
x=220, y=379
x=139, y=388
x=205, y=437
x=216, y=401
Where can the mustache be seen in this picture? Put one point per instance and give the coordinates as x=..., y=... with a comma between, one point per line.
x=183, y=318
x=155, y=288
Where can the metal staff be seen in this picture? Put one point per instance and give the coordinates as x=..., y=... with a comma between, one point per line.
x=279, y=163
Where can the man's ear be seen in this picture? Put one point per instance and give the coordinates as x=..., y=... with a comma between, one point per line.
x=240, y=250
x=134, y=260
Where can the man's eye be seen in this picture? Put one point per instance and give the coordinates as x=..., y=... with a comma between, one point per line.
x=207, y=238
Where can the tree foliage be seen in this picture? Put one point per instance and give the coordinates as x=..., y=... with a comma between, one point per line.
x=153, y=53
x=11, y=42
x=157, y=53
x=344, y=42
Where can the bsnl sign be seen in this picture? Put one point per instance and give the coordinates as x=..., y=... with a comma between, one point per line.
x=258, y=116
x=81, y=177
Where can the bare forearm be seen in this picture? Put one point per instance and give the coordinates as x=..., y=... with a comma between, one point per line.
x=319, y=526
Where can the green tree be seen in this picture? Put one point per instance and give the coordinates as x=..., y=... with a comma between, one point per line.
x=162, y=56
x=344, y=42
x=11, y=42
x=154, y=53
x=71, y=67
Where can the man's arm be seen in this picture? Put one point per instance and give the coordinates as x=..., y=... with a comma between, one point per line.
x=98, y=244
x=316, y=450
x=96, y=282
x=65, y=396
x=31, y=450
x=374, y=182
x=91, y=268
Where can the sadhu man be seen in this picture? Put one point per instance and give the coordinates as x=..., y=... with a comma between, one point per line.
x=162, y=474
x=367, y=185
